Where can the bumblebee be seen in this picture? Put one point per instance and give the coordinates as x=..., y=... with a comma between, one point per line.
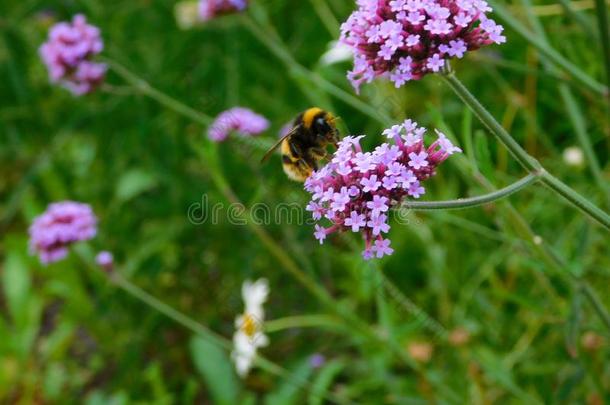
x=305, y=144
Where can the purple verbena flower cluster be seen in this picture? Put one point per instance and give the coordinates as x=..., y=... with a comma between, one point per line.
x=356, y=190
x=68, y=52
x=404, y=40
x=62, y=224
x=241, y=120
x=209, y=9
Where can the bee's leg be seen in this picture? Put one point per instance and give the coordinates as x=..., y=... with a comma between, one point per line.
x=294, y=149
x=317, y=153
x=304, y=167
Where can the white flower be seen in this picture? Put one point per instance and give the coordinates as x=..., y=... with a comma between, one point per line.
x=249, y=335
x=187, y=14
x=337, y=52
x=573, y=156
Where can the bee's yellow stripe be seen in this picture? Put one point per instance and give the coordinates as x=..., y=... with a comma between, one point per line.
x=309, y=115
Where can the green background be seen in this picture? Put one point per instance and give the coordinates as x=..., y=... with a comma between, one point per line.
x=68, y=335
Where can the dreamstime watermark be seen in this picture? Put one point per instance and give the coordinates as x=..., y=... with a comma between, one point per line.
x=284, y=213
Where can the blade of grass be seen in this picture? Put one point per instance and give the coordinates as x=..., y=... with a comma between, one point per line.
x=554, y=56
x=580, y=19
x=574, y=113
x=604, y=31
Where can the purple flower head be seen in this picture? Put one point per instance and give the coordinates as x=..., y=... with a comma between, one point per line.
x=405, y=40
x=210, y=9
x=62, y=224
x=67, y=53
x=241, y=120
x=317, y=360
x=358, y=198
x=105, y=260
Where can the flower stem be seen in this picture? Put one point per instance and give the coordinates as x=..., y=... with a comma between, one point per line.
x=548, y=51
x=168, y=311
x=527, y=161
x=596, y=303
x=143, y=87
x=280, y=50
x=473, y=201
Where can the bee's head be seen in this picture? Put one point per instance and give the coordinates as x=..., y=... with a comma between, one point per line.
x=325, y=130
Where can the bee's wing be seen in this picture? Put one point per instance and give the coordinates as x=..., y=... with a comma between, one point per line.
x=278, y=143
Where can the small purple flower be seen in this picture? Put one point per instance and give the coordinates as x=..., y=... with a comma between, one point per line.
x=378, y=205
x=384, y=33
x=243, y=121
x=210, y=9
x=394, y=169
x=363, y=162
x=370, y=183
x=393, y=132
x=105, y=260
x=61, y=225
x=320, y=233
x=418, y=160
x=416, y=190
x=382, y=248
x=67, y=53
x=445, y=145
x=317, y=360
x=368, y=254
x=390, y=174
x=355, y=221
x=378, y=224
x=435, y=63
x=317, y=211
x=340, y=200
x=389, y=182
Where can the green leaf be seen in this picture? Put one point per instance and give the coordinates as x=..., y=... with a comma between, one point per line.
x=323, y=381
x=133, y=183
x=572, y=329
x=54, y=380
x=216, y=368
x=16, y=284
x=287, y=392
x=99, y=398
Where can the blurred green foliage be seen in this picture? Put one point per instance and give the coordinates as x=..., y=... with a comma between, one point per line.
x=67, y=335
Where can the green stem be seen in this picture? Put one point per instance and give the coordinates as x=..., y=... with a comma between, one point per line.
x=596, y=303
x=549, y=52
x=472, y=201
x=143, y=87
x=604, y=30
x=326, y=16
x=281, y=52
x=168, y=311
x=301, y=321
x=527, y=161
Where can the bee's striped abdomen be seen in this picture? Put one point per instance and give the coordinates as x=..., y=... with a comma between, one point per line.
x=294, y=166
